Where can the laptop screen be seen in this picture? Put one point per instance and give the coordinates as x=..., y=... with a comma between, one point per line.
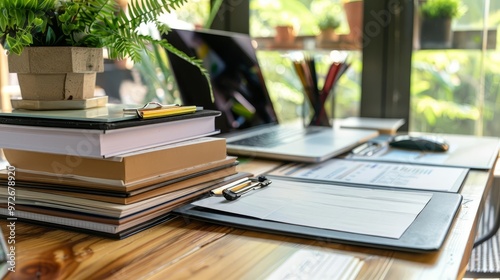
x=238, y=86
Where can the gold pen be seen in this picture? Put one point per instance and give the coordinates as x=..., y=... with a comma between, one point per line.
x=157, y=110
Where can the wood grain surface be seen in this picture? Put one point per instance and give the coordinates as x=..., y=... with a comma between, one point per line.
x=187, y=249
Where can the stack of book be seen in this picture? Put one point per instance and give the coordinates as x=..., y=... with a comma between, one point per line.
x=108, y=173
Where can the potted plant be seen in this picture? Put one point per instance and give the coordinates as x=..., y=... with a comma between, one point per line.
x=56, y=46
x=327, y=26
x=285, y=28
x=436, y=19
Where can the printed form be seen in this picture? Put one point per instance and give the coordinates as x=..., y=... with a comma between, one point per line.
x=383, y=174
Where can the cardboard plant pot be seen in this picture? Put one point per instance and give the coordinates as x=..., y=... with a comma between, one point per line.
x=57, y=73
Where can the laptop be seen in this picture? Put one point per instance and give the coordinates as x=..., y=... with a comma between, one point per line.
x=248, y=120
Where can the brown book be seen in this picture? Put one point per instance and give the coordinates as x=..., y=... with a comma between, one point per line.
x=127, y=168
x=208, y=178
x=117, y=186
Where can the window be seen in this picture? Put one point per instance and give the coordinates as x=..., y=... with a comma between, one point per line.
x=456, y=90
x=276, y=54
x=452, y=90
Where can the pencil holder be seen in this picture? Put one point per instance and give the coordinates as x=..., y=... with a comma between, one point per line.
x=318, y=112
x=318, y=106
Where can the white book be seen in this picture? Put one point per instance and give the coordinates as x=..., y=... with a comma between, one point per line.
x=93, y=139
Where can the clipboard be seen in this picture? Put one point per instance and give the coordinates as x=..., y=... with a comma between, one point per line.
x=427, y=232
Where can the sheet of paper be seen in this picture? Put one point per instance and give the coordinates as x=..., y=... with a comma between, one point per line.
x=366, y=211
x=395, y=175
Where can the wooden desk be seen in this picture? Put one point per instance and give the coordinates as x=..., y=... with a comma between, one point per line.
x=195, y=250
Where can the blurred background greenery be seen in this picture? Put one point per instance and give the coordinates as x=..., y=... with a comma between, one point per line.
x=452, y=90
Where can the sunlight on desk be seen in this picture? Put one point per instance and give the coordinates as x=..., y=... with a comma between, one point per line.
x=314, y=264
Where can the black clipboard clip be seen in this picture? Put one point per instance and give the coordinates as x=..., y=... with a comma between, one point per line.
x=240, y=187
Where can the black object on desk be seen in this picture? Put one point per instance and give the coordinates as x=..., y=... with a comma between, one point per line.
x=467, y=151
x=421, y=143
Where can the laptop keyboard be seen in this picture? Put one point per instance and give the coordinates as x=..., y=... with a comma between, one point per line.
x=274, y=137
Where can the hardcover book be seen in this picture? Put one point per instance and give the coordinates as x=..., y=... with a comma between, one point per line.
x=101, y=139
x=68, y=193
x=85, y=183
x=127, y=168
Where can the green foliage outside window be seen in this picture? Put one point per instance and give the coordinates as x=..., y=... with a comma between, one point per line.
x=445, y=88
x=444, y=83
x=458, y=91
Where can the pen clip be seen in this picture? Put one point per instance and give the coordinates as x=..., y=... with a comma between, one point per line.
x=147, y=107
x=235, y=192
